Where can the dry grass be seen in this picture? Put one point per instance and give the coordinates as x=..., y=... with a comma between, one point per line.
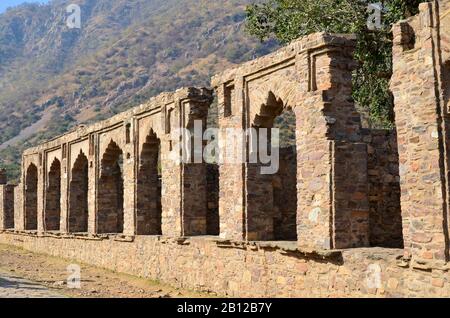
x=95, y=282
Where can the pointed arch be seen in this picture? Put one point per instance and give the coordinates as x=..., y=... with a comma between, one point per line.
x=30, y=211
x=272, y=198
x=149, y=210
x=52, y=214
x=270, y=99
x=78, y=195
x=110, y=214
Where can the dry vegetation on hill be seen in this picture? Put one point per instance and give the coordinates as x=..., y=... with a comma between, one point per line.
x=125, y=52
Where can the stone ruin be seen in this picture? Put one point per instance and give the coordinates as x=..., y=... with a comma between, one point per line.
x=343, y=193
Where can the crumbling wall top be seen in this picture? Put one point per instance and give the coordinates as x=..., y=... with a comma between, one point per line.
x=309, y=42
x=411, y=32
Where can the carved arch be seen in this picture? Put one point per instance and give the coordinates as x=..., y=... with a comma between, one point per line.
x=149, y=210
x=269, y=99
x=78, y=195
x=53, y=197
x=110, y=215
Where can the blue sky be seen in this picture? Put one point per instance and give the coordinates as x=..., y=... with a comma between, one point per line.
x=11, y=3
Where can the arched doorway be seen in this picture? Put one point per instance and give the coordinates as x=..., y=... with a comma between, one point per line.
x=285, y=180
x=149, y=211
x=110, y=191
x=31, y=180
x=272, y=198
x=53, y=197
x=78, y=196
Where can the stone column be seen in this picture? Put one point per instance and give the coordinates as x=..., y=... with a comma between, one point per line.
x=18, y=208
x=7, y=207
x=93, y=175
x=129, y=181
x=41, y=185
x=183, y=193
x=333, y=209
x=423, y=134
x=231, y=186
x=64, y=189
x=193, y=174
x=170, y=173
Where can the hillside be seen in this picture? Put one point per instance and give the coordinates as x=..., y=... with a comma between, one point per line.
x=53, y=78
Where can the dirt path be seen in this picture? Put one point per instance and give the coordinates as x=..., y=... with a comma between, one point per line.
x=17, y=287
x=51, y=272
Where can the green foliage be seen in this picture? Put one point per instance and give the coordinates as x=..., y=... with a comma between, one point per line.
x=287, y=20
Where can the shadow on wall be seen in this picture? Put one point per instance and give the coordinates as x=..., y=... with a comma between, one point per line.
x=386, y=228
x=53, y=198
x=110, y=194
x=31, y=181
x=78, y=196
x=149, y=210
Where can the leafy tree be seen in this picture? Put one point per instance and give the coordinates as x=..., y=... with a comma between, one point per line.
x=287, y=20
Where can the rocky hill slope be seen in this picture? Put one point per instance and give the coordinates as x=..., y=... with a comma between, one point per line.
x=53, y=78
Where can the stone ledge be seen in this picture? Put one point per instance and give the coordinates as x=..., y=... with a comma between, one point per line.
x=256, y=269
x=287, y=248
x=124, y=238
x=429, y=265
x=22, y=233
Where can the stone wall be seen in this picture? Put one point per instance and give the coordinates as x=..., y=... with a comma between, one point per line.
x=284, y=184
x=113, y=194
x=18, y=208
x=212, y=188
x=384, y=188
x=238, y=269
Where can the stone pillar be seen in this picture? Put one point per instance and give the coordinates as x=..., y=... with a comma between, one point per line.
x=170, y=173
x=3, y=199
x=93, y=176
x=183, y=193
x=231, y=185
x=41, y=193
x=194, y=200
x=7, y=207
x=351, y=205
x=129, y=181
x=65, y=166
x=423, y=132
x=18, y=208
x=333, y=209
